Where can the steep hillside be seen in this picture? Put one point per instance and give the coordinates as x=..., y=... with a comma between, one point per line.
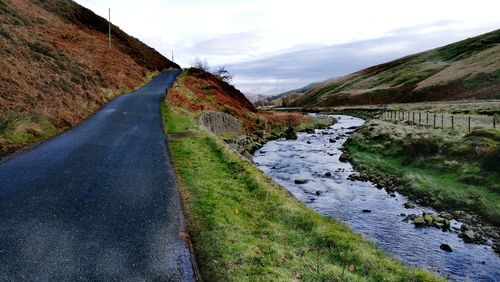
x=469, y=69
x=198, y=91
x=56, y=67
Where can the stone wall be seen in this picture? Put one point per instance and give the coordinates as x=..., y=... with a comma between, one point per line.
x=220, y=123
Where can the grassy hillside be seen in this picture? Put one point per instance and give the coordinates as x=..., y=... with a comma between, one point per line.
x=469, y=69
x=243, y=226
x=56, y=67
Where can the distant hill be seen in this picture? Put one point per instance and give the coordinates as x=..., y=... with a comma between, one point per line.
x=469, y=69
x=277, y=100
x=56, y=67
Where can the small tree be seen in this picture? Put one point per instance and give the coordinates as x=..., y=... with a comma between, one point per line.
x=223, y=74
x=200, y=64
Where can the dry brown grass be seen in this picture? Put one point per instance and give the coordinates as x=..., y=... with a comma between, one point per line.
x=486, y=61
x=60, y=71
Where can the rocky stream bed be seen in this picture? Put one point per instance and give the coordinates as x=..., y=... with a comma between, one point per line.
x=315, y=170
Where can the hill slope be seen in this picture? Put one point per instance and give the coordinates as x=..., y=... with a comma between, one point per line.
x=197, y=91
x=469, y=69
x=285, y=97
x=56, y=67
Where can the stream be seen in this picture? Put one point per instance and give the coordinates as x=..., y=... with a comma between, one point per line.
x=368, y=210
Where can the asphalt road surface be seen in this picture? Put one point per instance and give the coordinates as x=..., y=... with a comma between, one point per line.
x=98, y=202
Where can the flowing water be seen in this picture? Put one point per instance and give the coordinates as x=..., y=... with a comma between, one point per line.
x=342, y=199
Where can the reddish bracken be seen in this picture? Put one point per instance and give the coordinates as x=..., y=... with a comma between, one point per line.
x=200, y=91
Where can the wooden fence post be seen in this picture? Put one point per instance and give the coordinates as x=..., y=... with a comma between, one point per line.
x=419, y=118
x=452, y=123
x=427, y=118
x=434, y=120
x=413, y=117
x=469, y=123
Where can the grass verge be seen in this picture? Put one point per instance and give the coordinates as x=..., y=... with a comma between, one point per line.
x=444, y=169
x=244, y=227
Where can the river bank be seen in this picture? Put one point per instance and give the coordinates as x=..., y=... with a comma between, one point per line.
x=245, y=227
x=433, y=169
x=246, y=144
x=310, y=169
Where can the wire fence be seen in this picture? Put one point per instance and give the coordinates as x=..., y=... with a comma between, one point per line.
x=442, y=120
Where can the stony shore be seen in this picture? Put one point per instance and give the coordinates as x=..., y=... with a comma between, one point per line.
x=246, y=145
x=473, y=229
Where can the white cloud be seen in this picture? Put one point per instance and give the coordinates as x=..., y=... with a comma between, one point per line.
x=232, y=31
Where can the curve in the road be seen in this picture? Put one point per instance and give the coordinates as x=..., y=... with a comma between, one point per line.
x=98, y=202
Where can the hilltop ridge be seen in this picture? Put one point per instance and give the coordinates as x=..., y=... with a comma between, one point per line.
x=468, y=69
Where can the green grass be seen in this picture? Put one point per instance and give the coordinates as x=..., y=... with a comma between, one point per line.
x=245, y=228
x=443, y=169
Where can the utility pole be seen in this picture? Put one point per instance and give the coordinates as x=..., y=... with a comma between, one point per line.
x=109, y=28
x=172, y=55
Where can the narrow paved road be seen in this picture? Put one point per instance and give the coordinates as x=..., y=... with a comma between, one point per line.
x=98, y=202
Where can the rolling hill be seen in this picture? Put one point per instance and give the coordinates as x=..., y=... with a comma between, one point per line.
x=285, y=97
x=469, y=69
x=56, y=67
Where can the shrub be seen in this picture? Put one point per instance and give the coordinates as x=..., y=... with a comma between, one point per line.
x=42, y=48
x=485, y=133
x=492, y=161
x=450, y=165
x=200, y=64
x=419, y=147
x=223, y=74
x=7, y=122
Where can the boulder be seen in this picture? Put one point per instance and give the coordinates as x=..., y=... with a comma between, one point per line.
x=332, y=140
x=310, y=131
x=290, y=134
x=468, y=236
x=445, y=215
x=446, y=247
x=328, y=174
x=408, y=205
x=419, y=221
x=367, y=211
x=301, y=181
x=344, y=157
x=428, y=218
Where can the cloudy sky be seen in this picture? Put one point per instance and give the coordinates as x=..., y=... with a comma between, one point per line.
x=276, y=45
